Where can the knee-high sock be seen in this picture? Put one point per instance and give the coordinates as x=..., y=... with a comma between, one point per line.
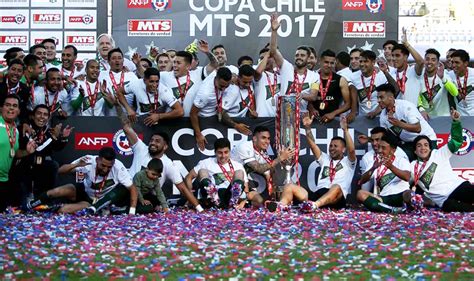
x=375, y=205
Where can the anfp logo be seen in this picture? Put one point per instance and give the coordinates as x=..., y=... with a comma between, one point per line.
x=19, y=19
x=121, y=144
x=161, y=5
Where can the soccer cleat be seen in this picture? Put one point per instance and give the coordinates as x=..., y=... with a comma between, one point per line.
x=235, y=191
x=308, y=207
x=213, y=194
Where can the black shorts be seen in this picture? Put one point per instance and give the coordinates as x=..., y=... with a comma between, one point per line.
x=81, y=194
x=314, y=196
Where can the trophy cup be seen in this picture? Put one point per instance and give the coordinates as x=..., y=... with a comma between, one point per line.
x=287, y=132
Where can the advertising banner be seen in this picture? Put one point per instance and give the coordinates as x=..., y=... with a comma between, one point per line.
x=91, y=134
x=244, y=26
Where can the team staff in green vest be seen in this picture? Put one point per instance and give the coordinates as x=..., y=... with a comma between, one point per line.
x=9, y=146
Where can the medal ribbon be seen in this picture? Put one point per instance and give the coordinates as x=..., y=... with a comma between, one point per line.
x=463, y=88
x=92, y=97
x=429, y=90
x=417, y=172
x=114, y=83
x=52, y=107
x=381, y=170
x=332, y=170
x=372, y=84
x=182, y=95
x=11, y=136
x=402, y=82
x=324, y=90
x=226, y=174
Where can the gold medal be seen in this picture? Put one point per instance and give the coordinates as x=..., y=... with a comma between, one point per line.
x=369, y=104
x=39, y=160
x=273, y=101
x=219, y=116
x=94, y=200
x=12, y=152
x=322, y=105
x=431, y=105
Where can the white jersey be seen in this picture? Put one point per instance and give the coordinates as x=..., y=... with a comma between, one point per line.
x=368, y=161
x=345, y=169
x=217, y=175
x=127, y=78
x=287, y=72
x=406, y=112
x=86, y=109
x=97, y=186
x=362, y=91
x=185, y=89
x=387, y=182
x=141, y=157
x=437, y=104
x=465, y=106
x=206, y=99
x=53, y=100
x=146, y=102
x=266, y=90
x=437, y=178
x=245, y=153
x=412, y=84
x=346, y=73
x=236, y=101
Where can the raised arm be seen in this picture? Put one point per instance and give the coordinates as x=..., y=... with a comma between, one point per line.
x=307, y=121
x=419, y=61
x=275, y=24
x=351, y=153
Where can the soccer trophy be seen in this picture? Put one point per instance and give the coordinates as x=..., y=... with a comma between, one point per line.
x=287, y=131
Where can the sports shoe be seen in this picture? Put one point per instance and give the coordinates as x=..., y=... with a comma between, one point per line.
x=308, y=207
x=213, y=194
x=235, y=191
x=86, y=212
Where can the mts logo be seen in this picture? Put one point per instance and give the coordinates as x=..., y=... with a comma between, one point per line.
x=367, y=27
x=13, y=39
x=92, y=141
x=46, y=17
x=150, y=25
x=80, y=39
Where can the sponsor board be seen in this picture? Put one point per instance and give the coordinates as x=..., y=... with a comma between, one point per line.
x=83, y=40
x=46, y=3
x=364, y=29
x=47, y=19
x=38, y=36
x=160, y=5
x=372, y=6
x=80, y=3
x=153, y=27
x=10, y=39
x=80, y=19
x=467, y=142
x=14, y=3
x=14, y=19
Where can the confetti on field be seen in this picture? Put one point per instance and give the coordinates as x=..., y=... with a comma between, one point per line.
x=186, y=245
